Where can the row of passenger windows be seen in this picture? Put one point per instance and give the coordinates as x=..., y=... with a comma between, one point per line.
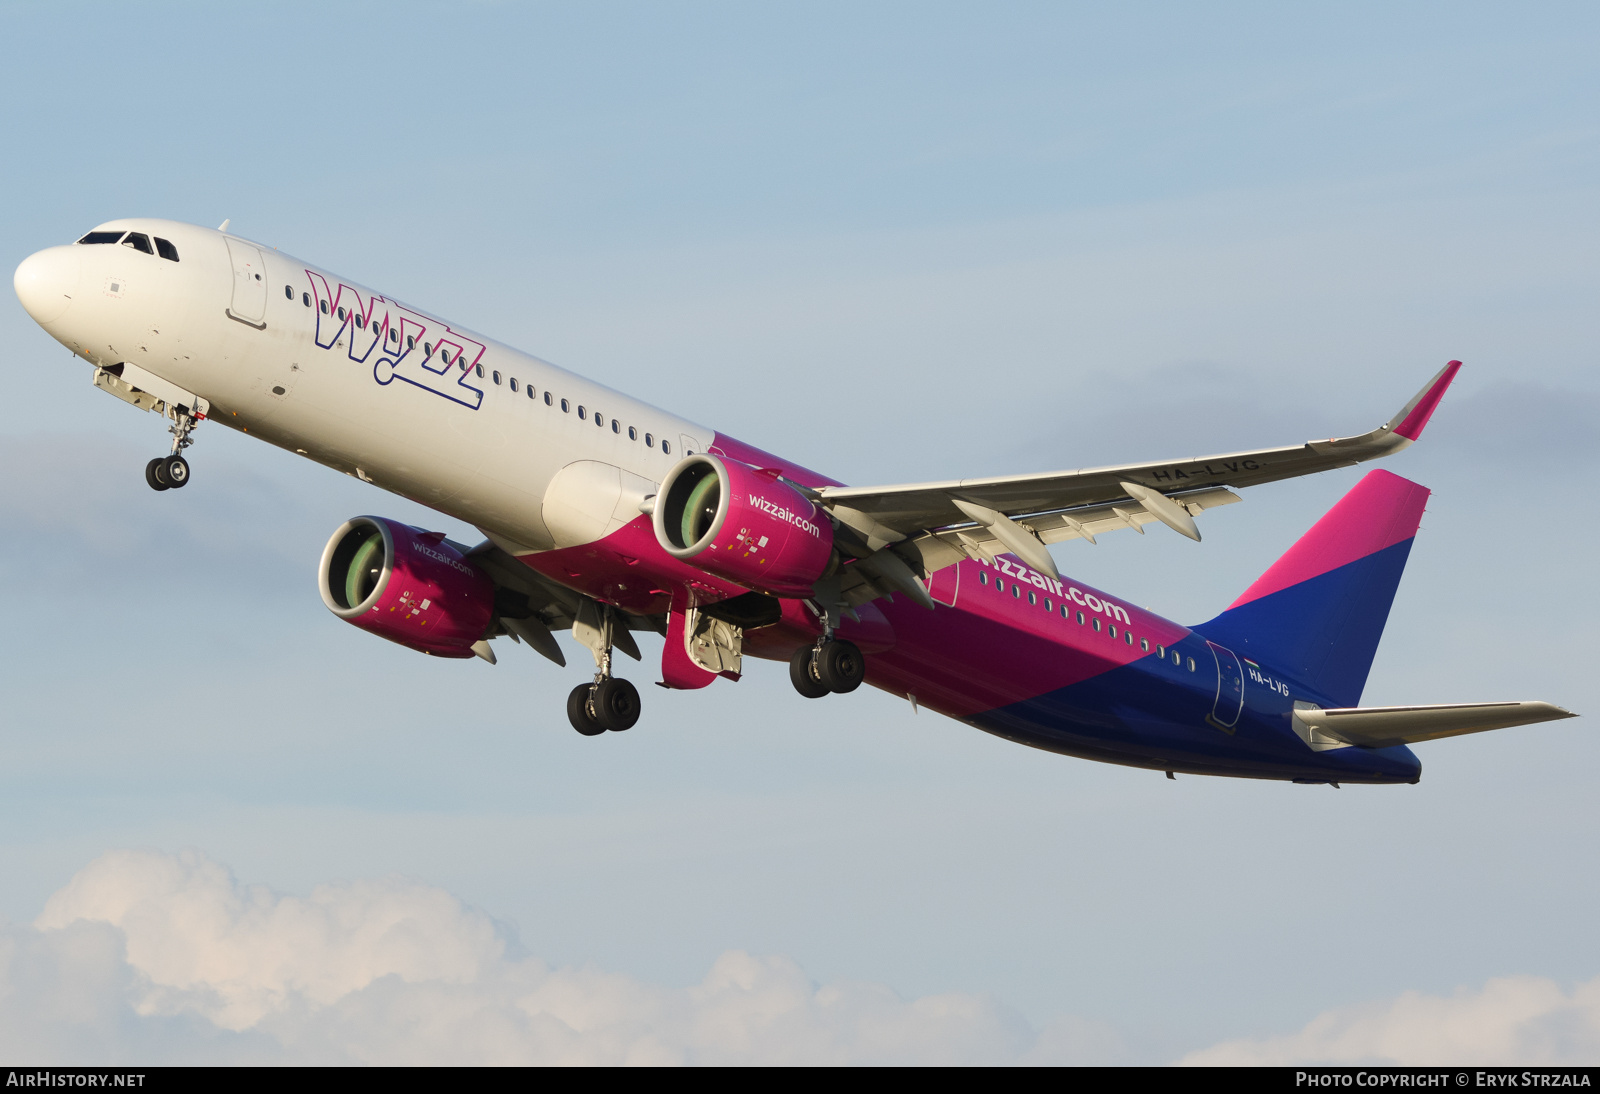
x=1068, y=613
x=137, y=240
x=392, y=340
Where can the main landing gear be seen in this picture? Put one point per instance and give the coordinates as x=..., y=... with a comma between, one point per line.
x=609, y=702
x=171, y=472
x=833, y=665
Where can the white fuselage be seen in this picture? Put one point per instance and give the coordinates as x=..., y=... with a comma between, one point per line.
x=240, y=325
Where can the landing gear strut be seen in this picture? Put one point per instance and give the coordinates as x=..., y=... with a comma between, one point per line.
x=609, y=702
x=832, y=665
x=172, y=471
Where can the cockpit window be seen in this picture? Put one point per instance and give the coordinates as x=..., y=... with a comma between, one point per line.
x=139, y=242
x=101, y=237
x=166, y=250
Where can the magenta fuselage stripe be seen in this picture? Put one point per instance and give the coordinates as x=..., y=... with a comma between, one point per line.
x=1382, y=510
x=986, y=646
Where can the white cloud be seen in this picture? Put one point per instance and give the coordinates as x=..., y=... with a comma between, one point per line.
x=153, y=958
x=147, y=957
x=1511, y=1021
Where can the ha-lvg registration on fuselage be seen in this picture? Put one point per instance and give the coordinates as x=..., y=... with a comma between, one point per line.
x=608, y=517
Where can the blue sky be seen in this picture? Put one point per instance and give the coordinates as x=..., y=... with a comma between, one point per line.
x=897, y=242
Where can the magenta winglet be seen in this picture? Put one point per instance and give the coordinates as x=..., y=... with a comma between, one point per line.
x=1381, y=510
x=1411, y=427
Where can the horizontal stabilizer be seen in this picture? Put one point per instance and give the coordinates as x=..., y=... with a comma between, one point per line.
x=1381, y=727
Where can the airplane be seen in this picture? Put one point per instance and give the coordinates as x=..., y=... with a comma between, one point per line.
x=608, y=517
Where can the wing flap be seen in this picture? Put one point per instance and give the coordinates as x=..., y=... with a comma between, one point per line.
x=1381, y=727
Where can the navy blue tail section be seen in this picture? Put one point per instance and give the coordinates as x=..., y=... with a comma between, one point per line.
x=1317, y=615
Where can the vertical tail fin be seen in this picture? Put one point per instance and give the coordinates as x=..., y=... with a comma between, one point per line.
x=1318, y=613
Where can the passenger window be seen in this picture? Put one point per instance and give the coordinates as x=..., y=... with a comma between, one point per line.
x=983, y=578
x=1177, y=657
x=394, y=335
x=633, y=434
x=547, y=399
x=411, y=343
x=583, y=413
x=531, y=393
x=101, y=237
x=1016, y=590
x=324, y=306
x=478, y=370
x=666, y=446
x=341, y=315
x=496, y=375
x=615, y=428
x=1161, y=652
x=1047, y=605
x=139, y=242
x=361, y=322
x=167, y=251
x=566, y=407
x=1144, y=645
x=513, y=383
x=1033, y=598
x=1066, y=613
x=1080, y=619
x=1112, y=630
x=599, y=418
x=1191, y=664
x=649, y=440
x=288, y=293
x=1097, y=624
x=305, y=298
x=1128, y=635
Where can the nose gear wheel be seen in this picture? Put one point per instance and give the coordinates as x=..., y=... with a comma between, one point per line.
x=166, y=472
x=172, y=471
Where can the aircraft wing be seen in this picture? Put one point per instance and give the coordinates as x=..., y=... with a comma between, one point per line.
x=529, y=606
x=934, y=524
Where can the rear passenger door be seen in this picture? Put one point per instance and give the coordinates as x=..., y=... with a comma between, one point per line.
x=1230, y=689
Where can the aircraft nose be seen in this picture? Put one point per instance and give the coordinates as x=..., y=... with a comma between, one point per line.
x=46, y=282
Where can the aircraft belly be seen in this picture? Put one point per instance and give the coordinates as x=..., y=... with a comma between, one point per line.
x=1145, y=711
x=1098, y=719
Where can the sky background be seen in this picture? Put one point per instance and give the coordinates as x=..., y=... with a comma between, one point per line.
x=894, y=242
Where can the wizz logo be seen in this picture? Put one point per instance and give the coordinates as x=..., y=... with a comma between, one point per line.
x=400, y=343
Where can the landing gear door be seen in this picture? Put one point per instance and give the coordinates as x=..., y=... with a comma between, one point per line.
x=249, y=284
x=1230, y=689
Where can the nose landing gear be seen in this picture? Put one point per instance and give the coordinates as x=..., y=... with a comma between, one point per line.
x=171, y=472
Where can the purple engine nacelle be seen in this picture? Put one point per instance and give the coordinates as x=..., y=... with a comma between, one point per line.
x=406, y=585
x=743, y=524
